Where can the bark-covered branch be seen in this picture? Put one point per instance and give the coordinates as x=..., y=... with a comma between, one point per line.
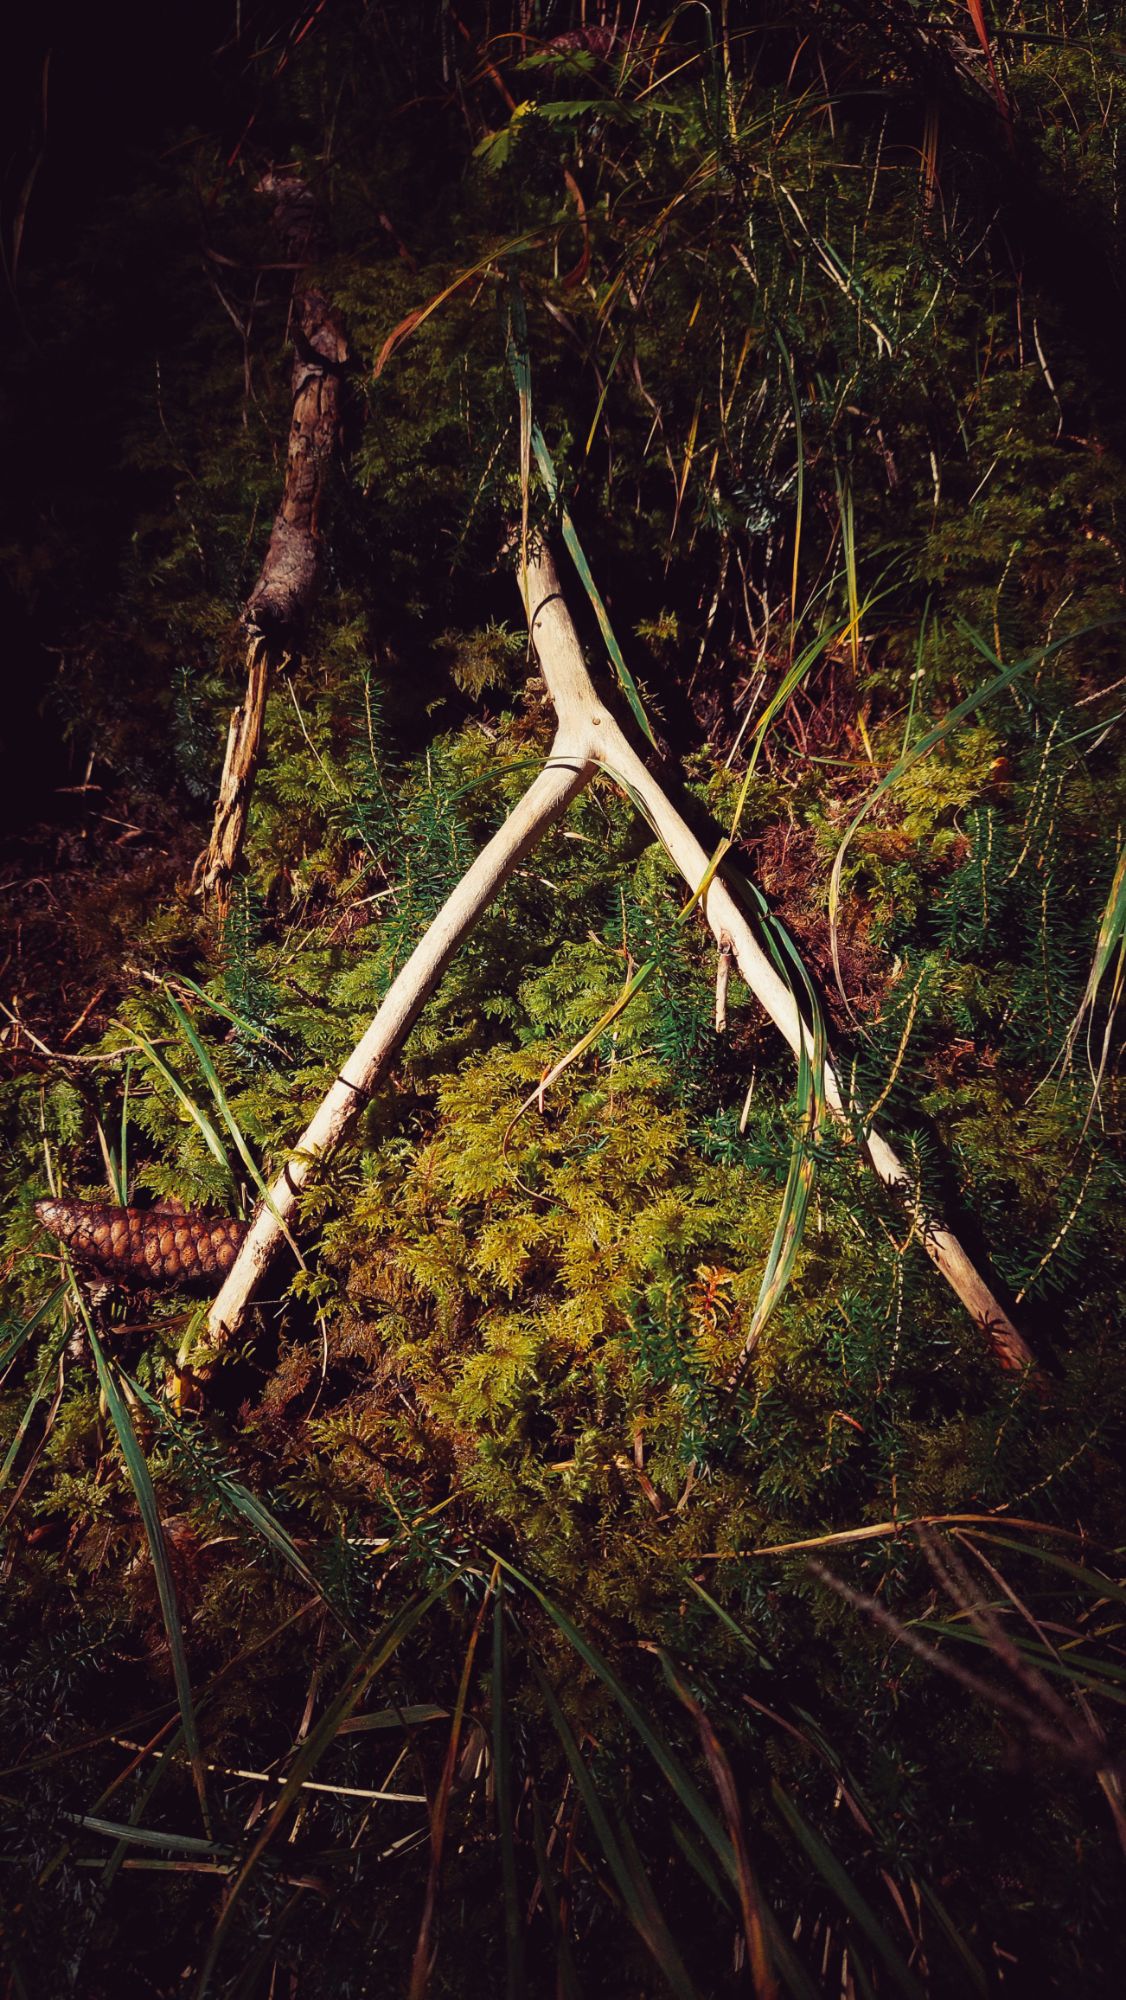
x=278, y=607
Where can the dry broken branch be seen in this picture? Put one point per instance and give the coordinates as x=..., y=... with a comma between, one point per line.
x=547, y=797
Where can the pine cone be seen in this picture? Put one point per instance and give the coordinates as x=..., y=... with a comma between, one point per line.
x=146, y=1246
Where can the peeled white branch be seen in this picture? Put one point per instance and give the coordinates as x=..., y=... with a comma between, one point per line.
x=560, y=656
x=588, y=739
x=562, y=777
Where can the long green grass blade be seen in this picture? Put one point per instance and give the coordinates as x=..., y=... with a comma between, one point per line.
x=665, y=1758
x=123, y=1142
x=604, y=391
x=212, y=1478
x=144, y=1836
x=760, y=1658
x=398, y=1718
x=578, y=556
x=439, y=1806
x=516, y=1981
x=844, y=1888
x=971, y=1965
x=566, y=1978
x=138, y=1471
x=251, y=1029
x=795, y=404
x=214, y=1083
x=1100, y=1585
x=757, y=1922
x=48, y=1369
x=797, y=671
x=631, y=988
x=12, y=1344
x=1094, y=1675
x=624, y=1863
x=119, y=1853
x=197, y=1115
x=308, y=1753
x=212, y=1079
x=531, y=434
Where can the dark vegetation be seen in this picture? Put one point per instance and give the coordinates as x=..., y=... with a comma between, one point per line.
x=824, y=312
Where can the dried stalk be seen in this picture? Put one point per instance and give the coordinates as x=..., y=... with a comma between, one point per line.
x=588, y=739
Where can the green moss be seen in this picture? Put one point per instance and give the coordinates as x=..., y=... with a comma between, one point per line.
x=521, y=1311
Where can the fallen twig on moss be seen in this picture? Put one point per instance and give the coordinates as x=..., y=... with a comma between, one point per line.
x=588, y=739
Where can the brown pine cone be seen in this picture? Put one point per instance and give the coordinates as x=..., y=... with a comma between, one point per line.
x=146, y=1246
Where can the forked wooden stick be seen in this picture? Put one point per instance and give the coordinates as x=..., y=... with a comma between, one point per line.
x=588, y=739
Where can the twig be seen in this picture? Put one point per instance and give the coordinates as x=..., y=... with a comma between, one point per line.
x=562, y=777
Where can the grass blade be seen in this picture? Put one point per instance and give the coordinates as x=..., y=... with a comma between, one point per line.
x=760, y=1659
x=1093, y=1675
x=11, y=1346
x=214, y=1084
x=138, y=1471
x=515, y=1970
x=211, y=1078
x=198, y=1117
x=840, y=1882
x=667, y=1761
x=240, y=1500
x=625, y=1866
x=566, y=1979
x=795, y=403
x=398, y=1718
x=252, y=1030
x=520, y=366
x=577, y=554
x=143, y=1836
x=1102, y=1586
x=421, y=1966
x=605, y=1020
x=308, y=1753
x=48, y=1368
x=754, y=1912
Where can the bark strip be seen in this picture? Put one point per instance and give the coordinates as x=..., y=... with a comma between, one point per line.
x=278, y=607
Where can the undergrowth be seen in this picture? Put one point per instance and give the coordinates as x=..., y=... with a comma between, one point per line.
x=470, y=1628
